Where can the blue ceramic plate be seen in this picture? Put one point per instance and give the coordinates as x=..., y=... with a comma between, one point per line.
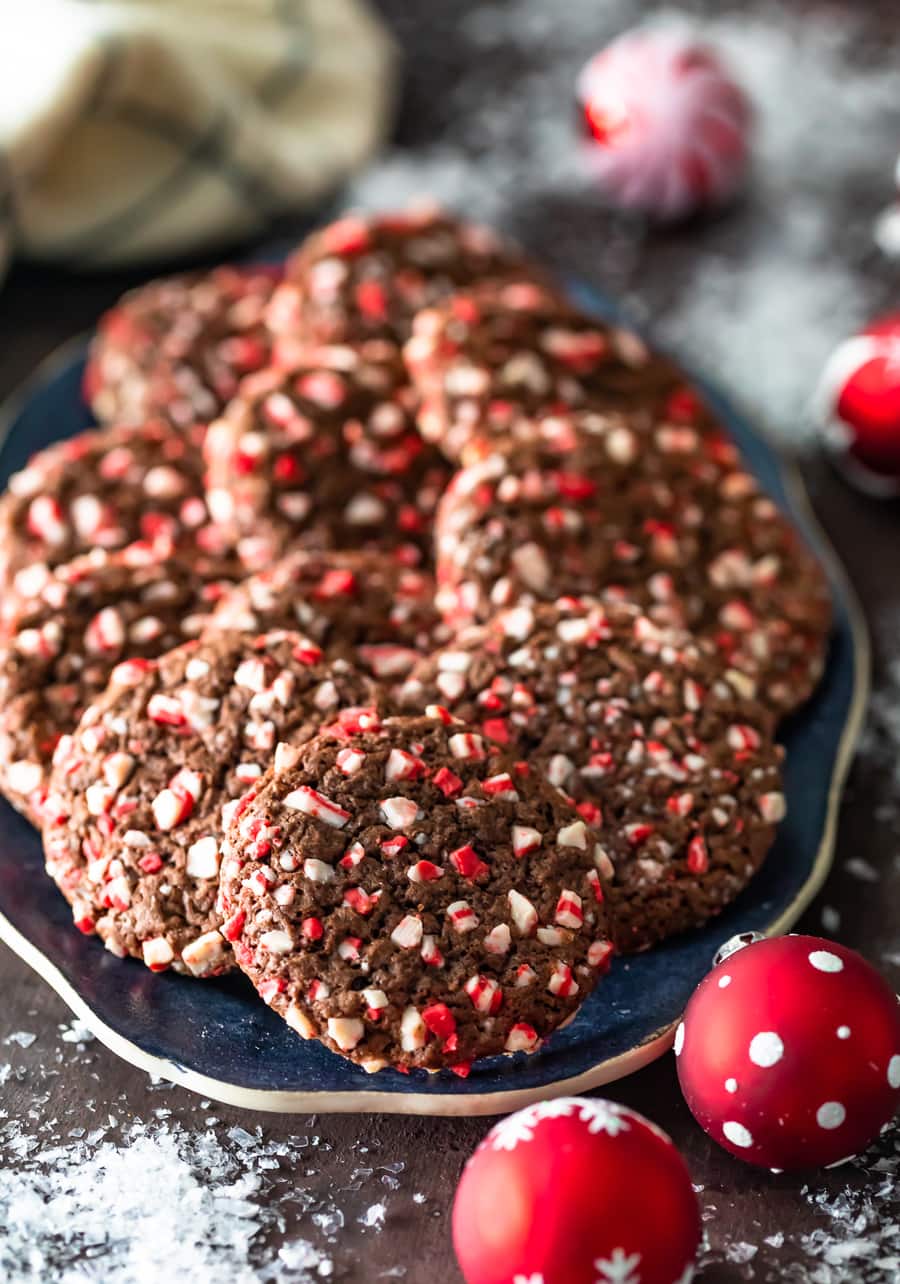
x=218, y=1039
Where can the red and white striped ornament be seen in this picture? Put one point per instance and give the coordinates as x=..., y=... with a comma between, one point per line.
x=669, y=128
x=858, y=407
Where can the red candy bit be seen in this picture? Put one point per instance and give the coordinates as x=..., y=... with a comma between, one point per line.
x=485, y=993
x=467, y=863
x=448, y=782
x=440, y=1020
x=497, y=729
x=267, y=990
x=335, y=583
x=789, y=1053
x=391, y=846
x=584, y=1173
x=424, y=871
x=307, y=652
x=697, y=857
x=360, y=901
x=233, y=926
x=163, y=709
x=311, y=929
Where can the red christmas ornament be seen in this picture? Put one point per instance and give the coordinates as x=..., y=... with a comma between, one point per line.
x=789, y=1053
x=576, y=1191
x=669, y=128
x=859, y=406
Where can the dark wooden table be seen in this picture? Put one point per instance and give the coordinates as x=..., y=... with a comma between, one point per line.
x=58, y=1088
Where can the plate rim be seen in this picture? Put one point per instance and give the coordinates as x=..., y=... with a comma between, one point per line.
x=506, y=1100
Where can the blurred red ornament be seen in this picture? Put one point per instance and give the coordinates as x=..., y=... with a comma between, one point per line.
x=789, y=1053
x=669, y=129
x=858, y=406
x=576, y=1191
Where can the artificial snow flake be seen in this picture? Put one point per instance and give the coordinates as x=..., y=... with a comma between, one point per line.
x=618, y=1268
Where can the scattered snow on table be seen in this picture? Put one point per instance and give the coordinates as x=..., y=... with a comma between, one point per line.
x=756, y=298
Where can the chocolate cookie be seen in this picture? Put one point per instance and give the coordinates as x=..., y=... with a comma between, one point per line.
x=80, y=621
x=141, y=792
x=102, y=490
x=667, y=518
x=659, y=748
x=327, y=456
x=488, y=360
x=411, y=899
x=367, y=604
x=178, y=347
x=365, y=276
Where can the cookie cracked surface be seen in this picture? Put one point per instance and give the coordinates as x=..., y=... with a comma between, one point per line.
x=142, y=790
x=412, y=898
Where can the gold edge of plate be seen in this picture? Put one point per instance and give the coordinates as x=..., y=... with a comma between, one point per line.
x=506, y=1100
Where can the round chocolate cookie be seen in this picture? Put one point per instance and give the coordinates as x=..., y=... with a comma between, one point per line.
x=488, y=360
x=143, y=789
x=58, y=650
x=102, y=489
x=660, y=749
x=178, y=347
x=367, y=604
x=365, y=276
x=412, y=899
x=326, y=456
x=667, y=518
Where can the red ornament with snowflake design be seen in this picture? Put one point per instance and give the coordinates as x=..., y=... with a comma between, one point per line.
x=576, y=1191
x=668, y=128
x=858, y=405
x=789, y=1053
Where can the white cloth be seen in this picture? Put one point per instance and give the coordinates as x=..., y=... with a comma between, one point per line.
x=134, y=129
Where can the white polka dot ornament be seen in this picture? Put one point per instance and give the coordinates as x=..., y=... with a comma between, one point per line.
x=789, y=1053
x=560, y=1193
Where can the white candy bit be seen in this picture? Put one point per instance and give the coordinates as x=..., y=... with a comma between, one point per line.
x=205, y=954
x=401, y=766
x=599, y=954
x=559, y=769
x=203, y=858
x=517, y=623
x=168, y=809
x=375, y=999
x=484, y=992
x=399, y=812
x=524, y=914
x=188, y=782
x=466, y=744
x=24, y=777
x=772, y=807
x=196, y=669
x=317, y=871
x=532, y=566
x=346, y=1032
x=603, y=862
x=498, y=940
x=525, y=840
x=98, y=798
x=136, y=839
x=117, y=767
x=574, y=835
x=568, y=910
x=300, y=1022
x=314, y=804
x=413, y=1031
x=550, y=936
x=408, y=932
x=525, y=976
x=277, y=942
x=349, y=761
x=430, y=953
x=521, y=1038
x=157, y=953
x=286, y=757
x=561, y=981
x=251, y=674
x=462, y=916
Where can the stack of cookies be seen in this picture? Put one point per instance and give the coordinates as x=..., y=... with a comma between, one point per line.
x=404, y=638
